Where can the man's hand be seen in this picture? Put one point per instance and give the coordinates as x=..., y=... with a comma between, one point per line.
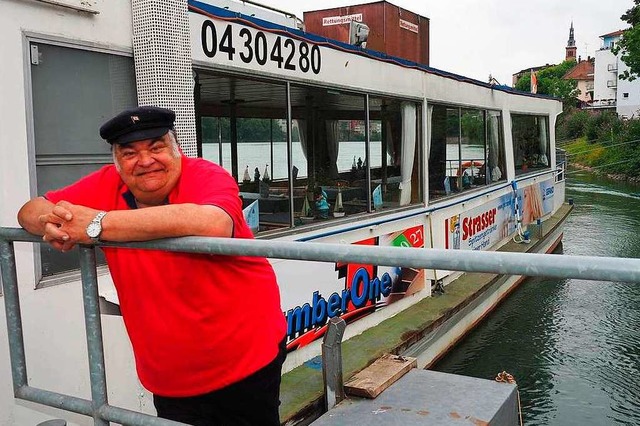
x=66, y=224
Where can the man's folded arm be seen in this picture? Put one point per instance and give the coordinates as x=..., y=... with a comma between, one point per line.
x=66, y=221
x=29, y=214
x=174, y=220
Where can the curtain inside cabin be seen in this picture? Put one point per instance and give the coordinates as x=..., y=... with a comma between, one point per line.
x=408, y=111
x=543, y=141
x=493, y=142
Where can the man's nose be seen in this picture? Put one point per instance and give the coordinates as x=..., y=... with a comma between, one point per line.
x=145, y=158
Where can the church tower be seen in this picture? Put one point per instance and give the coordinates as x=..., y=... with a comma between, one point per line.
x=571, y=46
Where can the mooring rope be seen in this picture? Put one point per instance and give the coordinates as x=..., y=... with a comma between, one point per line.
x=505, y=377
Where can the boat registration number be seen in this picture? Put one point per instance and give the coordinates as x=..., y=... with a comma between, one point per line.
x=251, y=46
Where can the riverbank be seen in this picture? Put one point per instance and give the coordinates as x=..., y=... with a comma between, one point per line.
x=620, y=177
x=601, y=142
x=616, y=161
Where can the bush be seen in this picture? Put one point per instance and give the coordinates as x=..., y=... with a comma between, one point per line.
x=632, y=130
x=607, y=142
x=572, y=124
x=602, y=127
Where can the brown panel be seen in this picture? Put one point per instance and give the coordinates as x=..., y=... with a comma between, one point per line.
x=377, y=377
x=385, y=33
x=403, y=42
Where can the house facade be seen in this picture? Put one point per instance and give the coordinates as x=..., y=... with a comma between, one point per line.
x=582, y=73
x=609, y=90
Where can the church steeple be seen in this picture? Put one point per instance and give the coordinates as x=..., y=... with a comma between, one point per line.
x=571, y=48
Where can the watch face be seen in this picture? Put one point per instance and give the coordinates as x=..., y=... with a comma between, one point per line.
x=93, y=230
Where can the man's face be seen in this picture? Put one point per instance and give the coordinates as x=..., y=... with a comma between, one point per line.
x=150, y=168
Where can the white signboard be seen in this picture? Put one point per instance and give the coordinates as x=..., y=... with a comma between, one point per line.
x=480, y=228
x=483, y=226
x=337, y=20
x=409, y=26
x=313, y=292
x=261, y=52
x=234, y=44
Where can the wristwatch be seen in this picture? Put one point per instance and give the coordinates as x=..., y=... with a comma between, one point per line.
x=94, y=228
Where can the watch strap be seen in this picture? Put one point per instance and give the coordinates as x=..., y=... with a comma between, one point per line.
x=96, y=221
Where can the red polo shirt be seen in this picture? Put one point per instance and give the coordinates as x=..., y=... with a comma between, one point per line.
x=196, y=322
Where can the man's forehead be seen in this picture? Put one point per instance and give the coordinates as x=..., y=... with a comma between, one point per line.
x=144, y=142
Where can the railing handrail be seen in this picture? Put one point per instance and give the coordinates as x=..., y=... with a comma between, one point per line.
x=585, y=267
x=528, y=264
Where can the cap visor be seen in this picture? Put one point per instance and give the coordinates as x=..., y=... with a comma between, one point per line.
x=141, y=135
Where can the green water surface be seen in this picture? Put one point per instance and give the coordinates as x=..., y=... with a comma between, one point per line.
x=572, y=345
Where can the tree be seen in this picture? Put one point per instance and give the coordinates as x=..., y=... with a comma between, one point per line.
x=552, y=83
x=629, y=43
x=249, y=130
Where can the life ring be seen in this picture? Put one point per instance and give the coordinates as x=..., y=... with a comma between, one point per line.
x=469, y=164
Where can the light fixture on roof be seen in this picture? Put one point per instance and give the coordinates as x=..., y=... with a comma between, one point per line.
x=358, y=34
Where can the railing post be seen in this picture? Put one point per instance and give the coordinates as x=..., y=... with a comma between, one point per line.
x=332, y=362
x=93, y=326
x=14, y=319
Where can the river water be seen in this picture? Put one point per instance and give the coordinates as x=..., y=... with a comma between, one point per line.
x=572, y=345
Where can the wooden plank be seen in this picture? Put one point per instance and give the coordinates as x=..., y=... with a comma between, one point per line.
x=371, y=381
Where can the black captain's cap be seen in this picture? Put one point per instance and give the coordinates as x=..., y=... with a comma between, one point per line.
x=136, y=124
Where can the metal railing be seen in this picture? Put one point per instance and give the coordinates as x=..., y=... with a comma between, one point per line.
x=559, y=266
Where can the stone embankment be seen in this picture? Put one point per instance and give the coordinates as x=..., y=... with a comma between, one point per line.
x=612, y=176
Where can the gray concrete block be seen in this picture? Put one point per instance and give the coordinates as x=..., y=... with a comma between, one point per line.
x=424, y=397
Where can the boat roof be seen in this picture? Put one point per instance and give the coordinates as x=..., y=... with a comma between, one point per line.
x=228, y=15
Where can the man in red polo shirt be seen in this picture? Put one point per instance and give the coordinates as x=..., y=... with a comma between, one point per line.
x=207, y=331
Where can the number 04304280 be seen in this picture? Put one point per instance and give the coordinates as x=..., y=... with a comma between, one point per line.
x=284, y=52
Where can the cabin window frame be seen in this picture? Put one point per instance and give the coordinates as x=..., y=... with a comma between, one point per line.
x=522, y=165
x=297, y=112
x=90, y=159
x=461, y=164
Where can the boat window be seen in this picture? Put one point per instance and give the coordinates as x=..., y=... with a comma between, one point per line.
x=530, y=142
x=466, y=150
x=332, y=134
x=471, y=171
x=68, y=110
x=496, y=167
x=396, y=171
x=243, y=127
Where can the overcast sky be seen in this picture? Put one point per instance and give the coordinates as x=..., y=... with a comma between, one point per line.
x=499, y=37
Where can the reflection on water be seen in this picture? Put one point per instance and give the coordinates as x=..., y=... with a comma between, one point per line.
x=573, y=345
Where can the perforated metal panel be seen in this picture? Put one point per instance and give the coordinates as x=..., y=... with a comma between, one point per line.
x=162, y=53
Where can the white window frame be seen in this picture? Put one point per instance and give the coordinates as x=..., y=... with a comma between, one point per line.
x=27, y=39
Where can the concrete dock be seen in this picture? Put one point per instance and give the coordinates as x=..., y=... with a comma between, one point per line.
x=424, y=397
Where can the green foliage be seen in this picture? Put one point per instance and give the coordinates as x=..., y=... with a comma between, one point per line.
x=629, y=44
x=572, y=124
x=610, y=144
x=249, y=130
x=550, y=82
x=259, y=130
x=210, y=129
x=472, y=126
x=524, y=84
x=602, y=126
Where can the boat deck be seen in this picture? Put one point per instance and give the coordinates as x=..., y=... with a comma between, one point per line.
x=302, y=388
